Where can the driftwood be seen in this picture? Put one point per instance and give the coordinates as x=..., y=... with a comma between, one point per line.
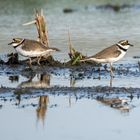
x=41, y=27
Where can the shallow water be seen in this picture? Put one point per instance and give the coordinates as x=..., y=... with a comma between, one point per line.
x=84, y=119
x=66, y=116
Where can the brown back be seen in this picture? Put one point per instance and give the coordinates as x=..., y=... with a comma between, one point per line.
x=109, y=52
x=31, y=45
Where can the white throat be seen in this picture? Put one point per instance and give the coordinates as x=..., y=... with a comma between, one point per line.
x=15, y=44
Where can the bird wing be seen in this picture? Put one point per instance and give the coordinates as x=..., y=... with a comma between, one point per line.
x=109, y=52
x=32, y=45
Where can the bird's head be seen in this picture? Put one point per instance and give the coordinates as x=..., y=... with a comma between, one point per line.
x=124, y=44
x=16, y=42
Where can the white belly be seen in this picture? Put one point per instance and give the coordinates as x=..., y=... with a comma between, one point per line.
x=33, y=53
x=109, y=60
x=117, y=58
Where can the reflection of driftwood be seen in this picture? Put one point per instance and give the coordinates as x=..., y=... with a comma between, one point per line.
x=42, y=108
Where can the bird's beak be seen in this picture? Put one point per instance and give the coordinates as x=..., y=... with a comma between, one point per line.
x=131, y=45
x=10, y=43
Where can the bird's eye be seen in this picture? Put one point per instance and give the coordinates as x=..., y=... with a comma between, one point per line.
x=126, y=43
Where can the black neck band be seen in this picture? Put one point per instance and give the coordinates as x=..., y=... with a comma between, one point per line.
x=121, y=48
x=19, y=43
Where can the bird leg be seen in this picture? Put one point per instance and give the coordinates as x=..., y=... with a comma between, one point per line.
x=99, y=69
x=111, y=71
x=38, y=61
x=30, y=61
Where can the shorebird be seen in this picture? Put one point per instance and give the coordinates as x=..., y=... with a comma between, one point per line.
x=110, y=54
x=31, y=48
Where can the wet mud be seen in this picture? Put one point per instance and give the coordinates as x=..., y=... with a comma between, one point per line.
x=117, y=97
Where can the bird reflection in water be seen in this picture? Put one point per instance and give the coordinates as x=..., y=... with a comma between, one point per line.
x=38, y=81
x=117, y=103
x=42, y=108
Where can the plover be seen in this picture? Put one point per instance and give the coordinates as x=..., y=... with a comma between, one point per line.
x=31, y=48
x=110, y=54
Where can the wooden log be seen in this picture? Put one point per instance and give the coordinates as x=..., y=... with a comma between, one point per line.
x=42, y=28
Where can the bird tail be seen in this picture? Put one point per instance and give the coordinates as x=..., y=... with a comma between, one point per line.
x=55, y=49
x=87, y=59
